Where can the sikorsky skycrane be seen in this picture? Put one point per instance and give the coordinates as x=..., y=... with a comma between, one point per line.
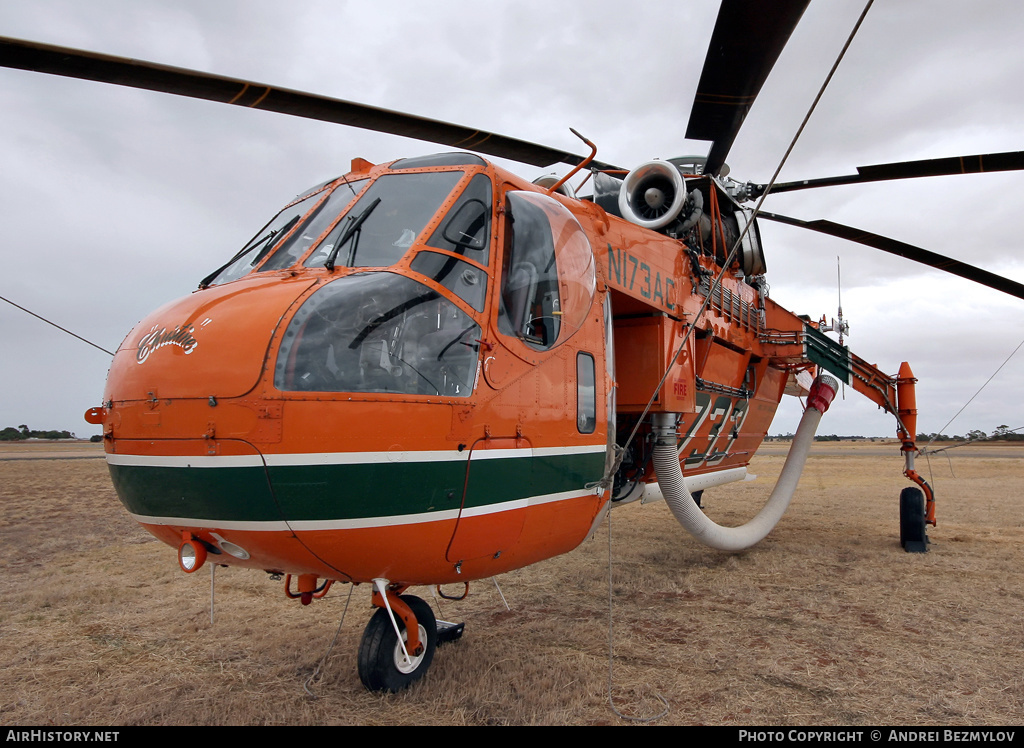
x=431, y=371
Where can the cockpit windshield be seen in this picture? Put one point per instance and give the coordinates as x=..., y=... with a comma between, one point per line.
x=379, y=332
x=259, y=247
x=373, y=231
x=291, y=249
x=386, y=220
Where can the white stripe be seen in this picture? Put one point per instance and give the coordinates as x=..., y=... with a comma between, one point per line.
x=482, y=511
x=196, y=461
x=215, y=524
x=501, y=454
x=361, y=458
x=586, y=449
x=343, y=458
x=370, y=522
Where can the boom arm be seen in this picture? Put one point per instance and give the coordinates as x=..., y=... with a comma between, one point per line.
x=794, y=341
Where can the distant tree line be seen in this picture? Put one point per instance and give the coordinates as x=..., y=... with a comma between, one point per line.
x=11, y=434
x=830, y=438
x=1002, y=433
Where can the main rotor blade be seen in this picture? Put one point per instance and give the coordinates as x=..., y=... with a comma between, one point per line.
x=933, y=167
x=123, y=71
x=923, y=256
x=748, y=38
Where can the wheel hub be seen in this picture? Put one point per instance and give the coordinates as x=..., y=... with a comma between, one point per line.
x=408, y=665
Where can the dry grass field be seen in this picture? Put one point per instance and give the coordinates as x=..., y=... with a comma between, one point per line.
x=825, y=622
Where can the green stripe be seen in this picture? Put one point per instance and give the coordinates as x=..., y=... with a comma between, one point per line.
x=202, y=493
x=332, y=492
x=316, y=492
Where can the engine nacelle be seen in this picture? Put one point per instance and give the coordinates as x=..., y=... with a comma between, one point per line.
x=653, y=195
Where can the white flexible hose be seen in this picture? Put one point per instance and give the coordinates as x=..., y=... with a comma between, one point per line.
x=670, y=477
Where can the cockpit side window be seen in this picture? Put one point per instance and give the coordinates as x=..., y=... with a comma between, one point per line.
x=466, y=230
x=548, y=276
x=530, y=304
x=466, y=281
x=586, y=394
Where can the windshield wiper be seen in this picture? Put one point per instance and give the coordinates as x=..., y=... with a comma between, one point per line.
x=353, y=226
x=267, y=241
x=205, y=282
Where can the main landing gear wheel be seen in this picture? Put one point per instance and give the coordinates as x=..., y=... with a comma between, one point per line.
x=912, y=524
x=382, y=664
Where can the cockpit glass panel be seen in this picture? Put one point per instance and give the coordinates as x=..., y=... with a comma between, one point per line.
x=466, y=230
x=438, y=159
x=466, y=281
x=386, y=220
x=259, y=247
x=530, y=302
x=291, y=248
x=379, y=332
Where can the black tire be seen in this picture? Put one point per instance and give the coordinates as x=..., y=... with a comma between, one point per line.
x=912, y=522
x=381, y=663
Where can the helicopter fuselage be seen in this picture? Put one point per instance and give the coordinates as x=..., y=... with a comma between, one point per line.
x=417, y=372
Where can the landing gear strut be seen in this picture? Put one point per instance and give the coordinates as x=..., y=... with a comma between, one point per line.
x=399, y=641
x=917, y=505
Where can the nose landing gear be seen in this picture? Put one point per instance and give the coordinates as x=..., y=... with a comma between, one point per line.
x=387, y=662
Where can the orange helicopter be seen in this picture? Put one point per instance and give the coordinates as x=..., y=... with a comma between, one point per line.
x=432, y=371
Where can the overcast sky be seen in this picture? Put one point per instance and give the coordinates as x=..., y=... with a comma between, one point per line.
x=115, y=201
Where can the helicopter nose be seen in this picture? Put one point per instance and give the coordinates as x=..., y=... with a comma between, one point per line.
x=210, y=344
